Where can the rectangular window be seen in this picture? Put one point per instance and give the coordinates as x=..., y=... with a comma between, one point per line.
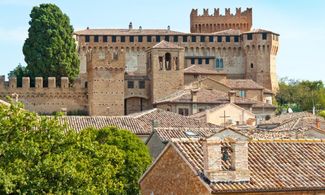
x=140, y=38
x=219, y=63
x=226, y=157
x=142, y=84
x=250, y=36
x=149, y=39
x=242, y=93
x=157, y=38
x=113, y=39
x=211, y=39
x=130, y=84
x=236, y=39
x=202, y=38
x=200, y=61
x=193, y=39
x=207, y=61
x=192, y=60
x=184, y=38
x=123, y=39
x=87, y=38
x=131, y=39
x=175, y=38
x=219, y=39
x=264, y=36
x=227, y=38
x=96, y=38
x=105, y=39
x=166, y=38
x=183, y=111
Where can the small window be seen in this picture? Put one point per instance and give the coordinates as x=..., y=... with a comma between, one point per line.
x=250, y=36
x=242, y=93
x=140, y=38
x=207, y=61
x=113, y=39
x=202, y=38
x=226, y=157
x=130, y=84
x=236, y=39
x=193, y=38
x=219, y=39
x=142, y=84
x=96, y=38
x=175, y=38
x=183, y=111
x=87, y=38
x=157, y=38
x=149, y=39
x=105, y=39
x=86, y=84
x=252, y=65
x=264, y=36
x=131, y=39
x=192, y=60
x=219, y=63
x=200, y=61
x=211, y=39
x=227, y=38
x=166, y=38
x=184, y=38
x=123, y=39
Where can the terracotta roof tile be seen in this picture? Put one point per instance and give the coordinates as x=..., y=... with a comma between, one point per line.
x=166, y=45
x=125, y=32
x=196, y=69
x=79, y=123
x=273, y=167
x=168, y=119
x=242, y=84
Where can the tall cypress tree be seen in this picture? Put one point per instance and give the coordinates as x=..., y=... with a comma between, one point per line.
x=50, y=48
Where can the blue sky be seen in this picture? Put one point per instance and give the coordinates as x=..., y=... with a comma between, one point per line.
x=301, y=25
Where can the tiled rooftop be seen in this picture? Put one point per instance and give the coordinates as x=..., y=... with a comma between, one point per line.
x=168, y=119
x=79, y=123
x=274, y=165
x=242, y=84
x=125, y=32
x=196, y=69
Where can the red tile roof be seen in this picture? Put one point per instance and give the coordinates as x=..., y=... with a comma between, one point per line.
x=242, y=84
x=125, y=32
x=274, y=165
x=196, y=69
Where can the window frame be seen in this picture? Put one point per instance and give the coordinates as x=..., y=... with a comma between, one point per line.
x=130, y=84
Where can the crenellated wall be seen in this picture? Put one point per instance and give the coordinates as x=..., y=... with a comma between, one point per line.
x=46, y=99
x=207, y=23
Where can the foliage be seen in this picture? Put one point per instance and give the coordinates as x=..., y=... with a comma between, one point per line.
x=301, y=95
x=322, y=113
x=19, y=72
x=50, y=48
x=40, y=156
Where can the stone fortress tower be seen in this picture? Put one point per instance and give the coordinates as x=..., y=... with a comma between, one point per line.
x=105, y=76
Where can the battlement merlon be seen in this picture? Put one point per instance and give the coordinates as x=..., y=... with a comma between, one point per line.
x=39, y=83
x=247, y=13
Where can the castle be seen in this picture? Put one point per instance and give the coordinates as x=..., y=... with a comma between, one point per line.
x=127, y=70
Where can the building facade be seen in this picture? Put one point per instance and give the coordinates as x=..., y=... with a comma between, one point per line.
x=123, y=71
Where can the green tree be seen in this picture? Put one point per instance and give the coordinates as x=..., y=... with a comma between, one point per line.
x=19, y=72
x=40, y=156
x=50, y=48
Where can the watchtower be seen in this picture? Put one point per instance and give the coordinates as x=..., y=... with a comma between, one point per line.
x=105, y=75
x=165, y=69
x=207, y=23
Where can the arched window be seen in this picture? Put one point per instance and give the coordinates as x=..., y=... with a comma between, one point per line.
x=168, y=61
x=160, y=62
x=252, y=65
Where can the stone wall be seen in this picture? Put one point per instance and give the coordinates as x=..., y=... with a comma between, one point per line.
x=171, y=175
x=49, y=99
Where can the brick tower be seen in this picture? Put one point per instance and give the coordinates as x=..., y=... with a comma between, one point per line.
x=213, y=23
x=165, y=69
x=105, y=82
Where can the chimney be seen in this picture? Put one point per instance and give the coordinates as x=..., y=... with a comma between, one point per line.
x=194, y=100
x=225, y=159
x=130, y=26
x=140, y=28
x=317, y=123
x=232, y=96
x=168, y=28
x=154, y=124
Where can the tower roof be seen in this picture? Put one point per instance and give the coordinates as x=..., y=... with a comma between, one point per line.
x=166, y=45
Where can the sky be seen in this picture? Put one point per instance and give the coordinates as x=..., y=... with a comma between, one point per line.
x=301, y=25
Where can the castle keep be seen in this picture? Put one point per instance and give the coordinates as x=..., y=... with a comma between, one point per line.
x=127, y=70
